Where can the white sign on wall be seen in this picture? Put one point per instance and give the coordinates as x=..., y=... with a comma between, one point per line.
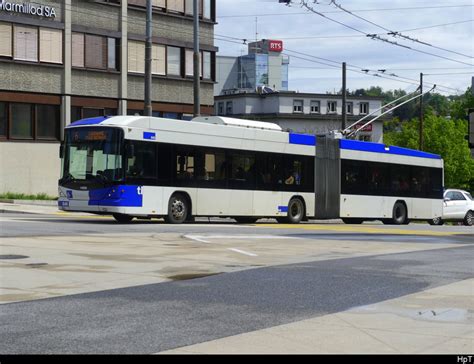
x=28, y=8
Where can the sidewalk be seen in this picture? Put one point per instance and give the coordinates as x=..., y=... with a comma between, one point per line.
x=29, y=206
x=435, y=321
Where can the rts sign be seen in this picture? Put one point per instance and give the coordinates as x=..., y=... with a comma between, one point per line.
x=275, y=46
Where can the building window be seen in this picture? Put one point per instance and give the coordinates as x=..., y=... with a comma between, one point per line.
x=25, y=43
x=350, y=107
x=332, y=107
x=6, y=40
x=47, y=122
x=159, y=4
x=176, y=6
x=220, y=108
x=298, y=106
x=111, y=53
x=3, y=119
x=229, y=108
x=136, y=56
x=174, y=61
x=188, y=7
x=206, y=9
x=206, y=66
x=158, y=66
x=363, y=108
x=96, y=52
x=365, y=138
x=189, y=59
x=78, y=50
x=51, y=45
x=315, y=107
x=21, y=121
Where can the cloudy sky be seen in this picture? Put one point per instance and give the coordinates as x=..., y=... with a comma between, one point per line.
x=316, y=36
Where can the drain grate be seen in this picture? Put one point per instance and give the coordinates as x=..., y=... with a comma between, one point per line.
x=12, y=256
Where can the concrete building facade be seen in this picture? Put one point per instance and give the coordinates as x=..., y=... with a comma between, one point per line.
x=305, y=113
x=63, y=60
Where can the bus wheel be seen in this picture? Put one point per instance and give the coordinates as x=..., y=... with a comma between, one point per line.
x=399, y=215
x=352, y=220
x=245, y=220
x=122, y=218
x=469, y=218
x=178, y=209
x=295, y=211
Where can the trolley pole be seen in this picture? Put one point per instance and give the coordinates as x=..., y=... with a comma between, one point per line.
x=344, y=106
x=197, y=63
x=421, y=113
x=148, y=48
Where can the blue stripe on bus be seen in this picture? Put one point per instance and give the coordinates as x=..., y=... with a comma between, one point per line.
x=381, y=148
x=282, y=208
x=89, y=121
x=149, y=136
x=117, y=196
x=303, y=139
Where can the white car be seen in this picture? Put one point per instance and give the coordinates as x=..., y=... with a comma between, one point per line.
x=458, y=206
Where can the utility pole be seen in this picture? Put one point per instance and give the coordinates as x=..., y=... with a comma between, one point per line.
x=197, y=63
x=344, y=106
x=148, y=48
x=421, y=113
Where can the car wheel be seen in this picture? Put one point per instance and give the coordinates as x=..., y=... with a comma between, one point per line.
x=178, y=209
x=469, y=218
x=436, y=221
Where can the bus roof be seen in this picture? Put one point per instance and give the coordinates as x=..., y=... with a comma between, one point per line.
x=293, y=138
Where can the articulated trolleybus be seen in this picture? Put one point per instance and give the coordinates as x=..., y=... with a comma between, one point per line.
x=146, y=167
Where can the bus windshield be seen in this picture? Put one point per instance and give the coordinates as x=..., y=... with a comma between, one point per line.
x=92, y=157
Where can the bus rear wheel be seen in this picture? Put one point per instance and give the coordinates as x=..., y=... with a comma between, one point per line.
x=296, y=212
x=399, y=215
x=178, y=209
x=122, y=218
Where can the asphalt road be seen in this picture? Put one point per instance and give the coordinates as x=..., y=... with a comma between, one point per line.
x=156, y=317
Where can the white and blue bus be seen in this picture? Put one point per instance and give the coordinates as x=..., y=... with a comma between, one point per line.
x=134, y=166
x=146, y=167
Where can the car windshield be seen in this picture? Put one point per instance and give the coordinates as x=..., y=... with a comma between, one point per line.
x=92, y=156
x=469, y=196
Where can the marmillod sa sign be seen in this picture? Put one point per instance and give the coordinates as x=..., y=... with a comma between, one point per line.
x=28, y=8
x=275, y=46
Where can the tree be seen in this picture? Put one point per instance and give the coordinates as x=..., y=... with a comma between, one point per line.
x=442, y=136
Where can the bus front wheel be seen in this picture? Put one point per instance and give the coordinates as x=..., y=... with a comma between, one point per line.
x=178, y=209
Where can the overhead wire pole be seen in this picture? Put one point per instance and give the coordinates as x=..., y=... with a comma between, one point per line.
x=344, y=93
x=421, y=113
x=197, y=63
x=148, y=50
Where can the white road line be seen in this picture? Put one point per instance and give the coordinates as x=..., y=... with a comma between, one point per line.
x=243, y=252
x=255, y=237
x=196, y=238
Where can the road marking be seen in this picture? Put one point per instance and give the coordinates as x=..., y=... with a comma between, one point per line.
x=196, y=238
x=360, y=229
x=243, y=252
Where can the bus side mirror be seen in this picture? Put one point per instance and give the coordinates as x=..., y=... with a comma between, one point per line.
x=61, y=151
